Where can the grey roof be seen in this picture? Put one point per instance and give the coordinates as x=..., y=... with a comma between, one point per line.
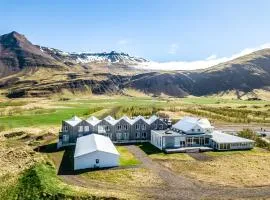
x=73, y=121
x=138, y=118
x=111, y=120
x=126, y=118
x=94, y=142
x=187, y=123
x=93, y=120
x=220, y=137
x=152, y=119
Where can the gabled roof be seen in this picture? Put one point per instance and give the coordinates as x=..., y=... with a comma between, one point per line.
x=138, y=118
x=188, y=123
x=221, y=137
x=94, y=142
x=73, y=121
x=126, y=118
x=110, y=120
x=93, y=120
x=152, y=119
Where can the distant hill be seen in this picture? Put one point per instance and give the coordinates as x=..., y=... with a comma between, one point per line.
x=32, y=70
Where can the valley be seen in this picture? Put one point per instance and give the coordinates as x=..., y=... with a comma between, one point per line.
x=29, y=129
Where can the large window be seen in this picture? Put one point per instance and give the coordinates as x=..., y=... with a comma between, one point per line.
x=144, y=135
x=143, y=127
x=86, y=129
x=107, y=128
x=137, y=126
x=80, y=128
x=119, y=127
x=65, y=128
x=65, y=138
x=137, y=135
x=125, y=127
x=160, y=127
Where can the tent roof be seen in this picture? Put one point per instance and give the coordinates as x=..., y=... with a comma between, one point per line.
x=94, y=142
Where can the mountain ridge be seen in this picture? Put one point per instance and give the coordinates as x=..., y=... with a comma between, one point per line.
x=33, y=70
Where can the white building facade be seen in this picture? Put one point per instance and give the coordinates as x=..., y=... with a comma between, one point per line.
x=191, y=132
x=95, y=151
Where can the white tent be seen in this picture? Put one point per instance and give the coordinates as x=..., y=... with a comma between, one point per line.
x=94, y=151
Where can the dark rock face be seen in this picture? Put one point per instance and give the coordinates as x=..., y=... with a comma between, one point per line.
x=16, y=53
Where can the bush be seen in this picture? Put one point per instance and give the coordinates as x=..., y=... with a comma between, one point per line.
x=259, y=142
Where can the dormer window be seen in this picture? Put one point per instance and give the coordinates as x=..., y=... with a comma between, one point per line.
x=199, y=130
x=192, y=130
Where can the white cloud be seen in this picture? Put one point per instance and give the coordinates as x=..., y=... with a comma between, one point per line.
x=173, y=48
x=123, y=42
x=198, y=64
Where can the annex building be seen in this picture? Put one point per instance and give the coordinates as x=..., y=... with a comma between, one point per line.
x=192, y=133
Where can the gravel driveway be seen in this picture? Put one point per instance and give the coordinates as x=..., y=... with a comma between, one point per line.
x=176, y=186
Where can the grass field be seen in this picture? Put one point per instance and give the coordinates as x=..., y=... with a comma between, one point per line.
x=37, y=121
x=155, y=153
x=233, y=168
x=44, y=112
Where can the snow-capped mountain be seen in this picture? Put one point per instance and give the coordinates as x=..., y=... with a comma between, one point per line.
x=82, y=58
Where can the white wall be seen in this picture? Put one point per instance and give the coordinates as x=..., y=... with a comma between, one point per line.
x=156, y=139
x=89, y=160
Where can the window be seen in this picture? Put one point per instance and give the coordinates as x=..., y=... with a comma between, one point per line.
x=86, y=129
x=192, y=130
x=65, y=128
x=144, y=135
x=119, y=127
x=80, y=128
x=199, y=130
x=125, y=127
x=143, y=127
x=137, y=126
x=137, y=135
x=65, y=138
x=97, y=161
x=107, y=128
x=160, y=127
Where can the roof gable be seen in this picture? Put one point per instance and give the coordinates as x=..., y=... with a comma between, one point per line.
x=73, y=121
x=94, y=142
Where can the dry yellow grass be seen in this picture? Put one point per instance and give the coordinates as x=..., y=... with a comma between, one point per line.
x=234, y=169
x=132, y=177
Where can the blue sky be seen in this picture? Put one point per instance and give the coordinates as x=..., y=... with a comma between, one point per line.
x=163, y=31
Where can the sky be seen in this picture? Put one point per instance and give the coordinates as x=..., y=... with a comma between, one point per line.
x=171, y=33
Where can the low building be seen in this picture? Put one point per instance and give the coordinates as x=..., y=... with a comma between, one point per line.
x=123, y=130
x=95, y=151
x=196, y=133
x=223, y=141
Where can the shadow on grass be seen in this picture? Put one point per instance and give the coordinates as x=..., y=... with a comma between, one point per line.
x=48, y=148
x=148, y=148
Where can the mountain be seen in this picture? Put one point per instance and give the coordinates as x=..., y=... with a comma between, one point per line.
x=16, y=53
x=243, y=74
x=82, y=58
x=32, y=70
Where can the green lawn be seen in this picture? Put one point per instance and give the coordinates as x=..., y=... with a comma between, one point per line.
x=127, y=158
x=155, y=153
